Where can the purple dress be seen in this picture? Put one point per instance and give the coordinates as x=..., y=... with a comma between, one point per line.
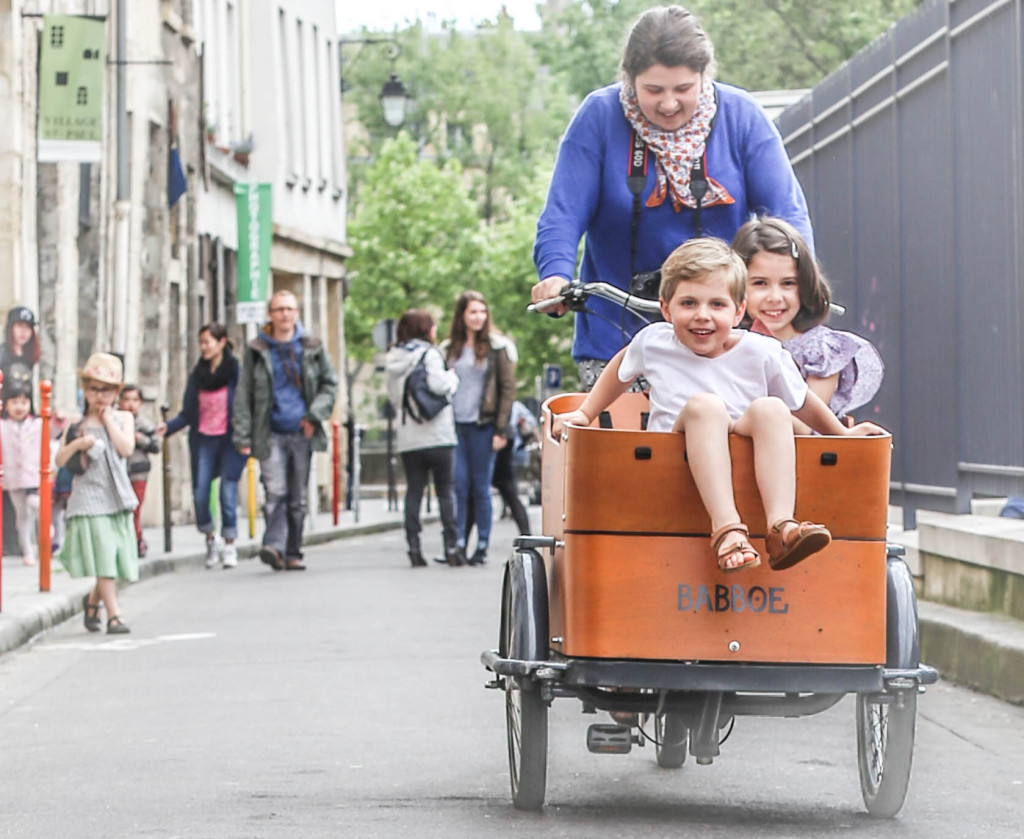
x=822, y=352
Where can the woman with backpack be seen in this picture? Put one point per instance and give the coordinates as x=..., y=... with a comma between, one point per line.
x=420, y=388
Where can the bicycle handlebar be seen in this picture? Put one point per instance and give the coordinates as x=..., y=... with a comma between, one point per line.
x=576, y=293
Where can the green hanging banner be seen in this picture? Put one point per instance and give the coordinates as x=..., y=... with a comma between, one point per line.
x=255, y=231
x=71, y=67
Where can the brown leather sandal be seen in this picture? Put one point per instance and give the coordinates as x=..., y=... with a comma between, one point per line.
x=741, y=547
x=805, y=538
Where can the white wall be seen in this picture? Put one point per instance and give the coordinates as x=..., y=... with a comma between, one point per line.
x=274, y=75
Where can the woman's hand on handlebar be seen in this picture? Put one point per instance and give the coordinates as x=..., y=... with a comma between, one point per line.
x=560, y=421
x=548, y=288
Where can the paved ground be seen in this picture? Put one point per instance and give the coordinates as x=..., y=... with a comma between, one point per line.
x=987, y=650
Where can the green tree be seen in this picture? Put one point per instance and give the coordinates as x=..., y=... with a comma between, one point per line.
x=764, y=45
x=414, y=235
x=505, y=277
x=482, y=97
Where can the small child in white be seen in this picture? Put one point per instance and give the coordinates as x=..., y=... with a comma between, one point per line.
x=709, y=379
x=20, y=436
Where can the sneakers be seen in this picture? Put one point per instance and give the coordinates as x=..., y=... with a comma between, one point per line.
x=230, y=556
x=212, y=554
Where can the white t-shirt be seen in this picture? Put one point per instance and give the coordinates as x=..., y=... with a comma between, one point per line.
x=756, y=366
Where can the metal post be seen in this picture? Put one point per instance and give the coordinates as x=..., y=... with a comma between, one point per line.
x=250, y=468
x=165, y=454
x=1, y=512
x=335, y=472
x=357, y=442
x=45, y=486
x=389, y=413
x=122, y=206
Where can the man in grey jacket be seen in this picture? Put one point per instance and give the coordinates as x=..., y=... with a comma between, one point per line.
x=285, y=392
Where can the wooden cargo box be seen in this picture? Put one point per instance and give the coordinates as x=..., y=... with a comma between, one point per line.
x=636, y=577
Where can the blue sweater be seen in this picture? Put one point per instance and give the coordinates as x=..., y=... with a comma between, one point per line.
x=589, y=195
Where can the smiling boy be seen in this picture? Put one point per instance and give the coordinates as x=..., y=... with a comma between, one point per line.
x=709, y=379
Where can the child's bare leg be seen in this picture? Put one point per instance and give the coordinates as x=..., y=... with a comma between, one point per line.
x=706, y=423
x=769, y=423
x=106, y=590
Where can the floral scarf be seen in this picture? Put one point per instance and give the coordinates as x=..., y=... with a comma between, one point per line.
x=677, y=151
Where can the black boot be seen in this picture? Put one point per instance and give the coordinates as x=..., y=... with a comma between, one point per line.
x=415, y=555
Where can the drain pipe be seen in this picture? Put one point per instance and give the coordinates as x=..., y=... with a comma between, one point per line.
x=122, y=206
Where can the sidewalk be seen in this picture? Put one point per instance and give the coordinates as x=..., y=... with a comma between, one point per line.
x=25, y=611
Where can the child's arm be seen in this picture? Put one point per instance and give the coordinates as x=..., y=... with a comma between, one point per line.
x=123, y=437
x=68, y=449
x=606, y=390
x=816, y=414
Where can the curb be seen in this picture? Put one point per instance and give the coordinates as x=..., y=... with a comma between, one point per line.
x=53, y=609
x=982, y=651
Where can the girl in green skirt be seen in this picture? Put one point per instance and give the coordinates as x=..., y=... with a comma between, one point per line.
x=100, y=537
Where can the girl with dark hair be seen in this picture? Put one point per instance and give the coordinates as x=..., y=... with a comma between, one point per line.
x=665, y=155
x=206, y=410
x=19, y=354
x=427, y=448
x=485, y=362
x=788, y=297
x=21, y=344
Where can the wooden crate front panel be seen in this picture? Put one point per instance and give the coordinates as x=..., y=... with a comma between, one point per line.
x=663, y=598
x=841, y=482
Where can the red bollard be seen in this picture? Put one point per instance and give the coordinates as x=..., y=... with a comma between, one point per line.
x=45, y=485
x=1, y=514
x=336, y=467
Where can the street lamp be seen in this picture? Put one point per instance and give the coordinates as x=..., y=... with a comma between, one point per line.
x=394, y=98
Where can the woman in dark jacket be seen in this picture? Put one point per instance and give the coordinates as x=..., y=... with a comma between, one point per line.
x=485, y=361
x=206, y=410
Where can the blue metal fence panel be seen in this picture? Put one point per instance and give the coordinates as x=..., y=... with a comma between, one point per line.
x=911, y=157
x=985, y=94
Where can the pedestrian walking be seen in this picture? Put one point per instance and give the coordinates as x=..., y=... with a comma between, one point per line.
x=426, y=445
x=285, y=393
x=99, y=538
x=485, y=361
x=206, y=410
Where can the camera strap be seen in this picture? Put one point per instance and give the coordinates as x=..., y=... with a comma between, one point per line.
x=637, y=179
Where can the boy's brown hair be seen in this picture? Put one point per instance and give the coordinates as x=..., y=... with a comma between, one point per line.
x=697, y=259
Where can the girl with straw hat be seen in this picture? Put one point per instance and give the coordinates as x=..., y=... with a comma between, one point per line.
x=100, y=537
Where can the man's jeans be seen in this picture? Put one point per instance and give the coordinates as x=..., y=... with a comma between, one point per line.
x=285, y=477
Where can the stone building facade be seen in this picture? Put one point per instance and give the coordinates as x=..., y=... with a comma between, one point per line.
x=132, y=273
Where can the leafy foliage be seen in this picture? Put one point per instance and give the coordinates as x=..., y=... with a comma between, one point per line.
x=415, y=236
x=505, y=278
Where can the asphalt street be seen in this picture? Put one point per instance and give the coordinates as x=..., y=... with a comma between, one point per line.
x=348, y=700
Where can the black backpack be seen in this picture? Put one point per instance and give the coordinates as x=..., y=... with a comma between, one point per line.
x=418, y=400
